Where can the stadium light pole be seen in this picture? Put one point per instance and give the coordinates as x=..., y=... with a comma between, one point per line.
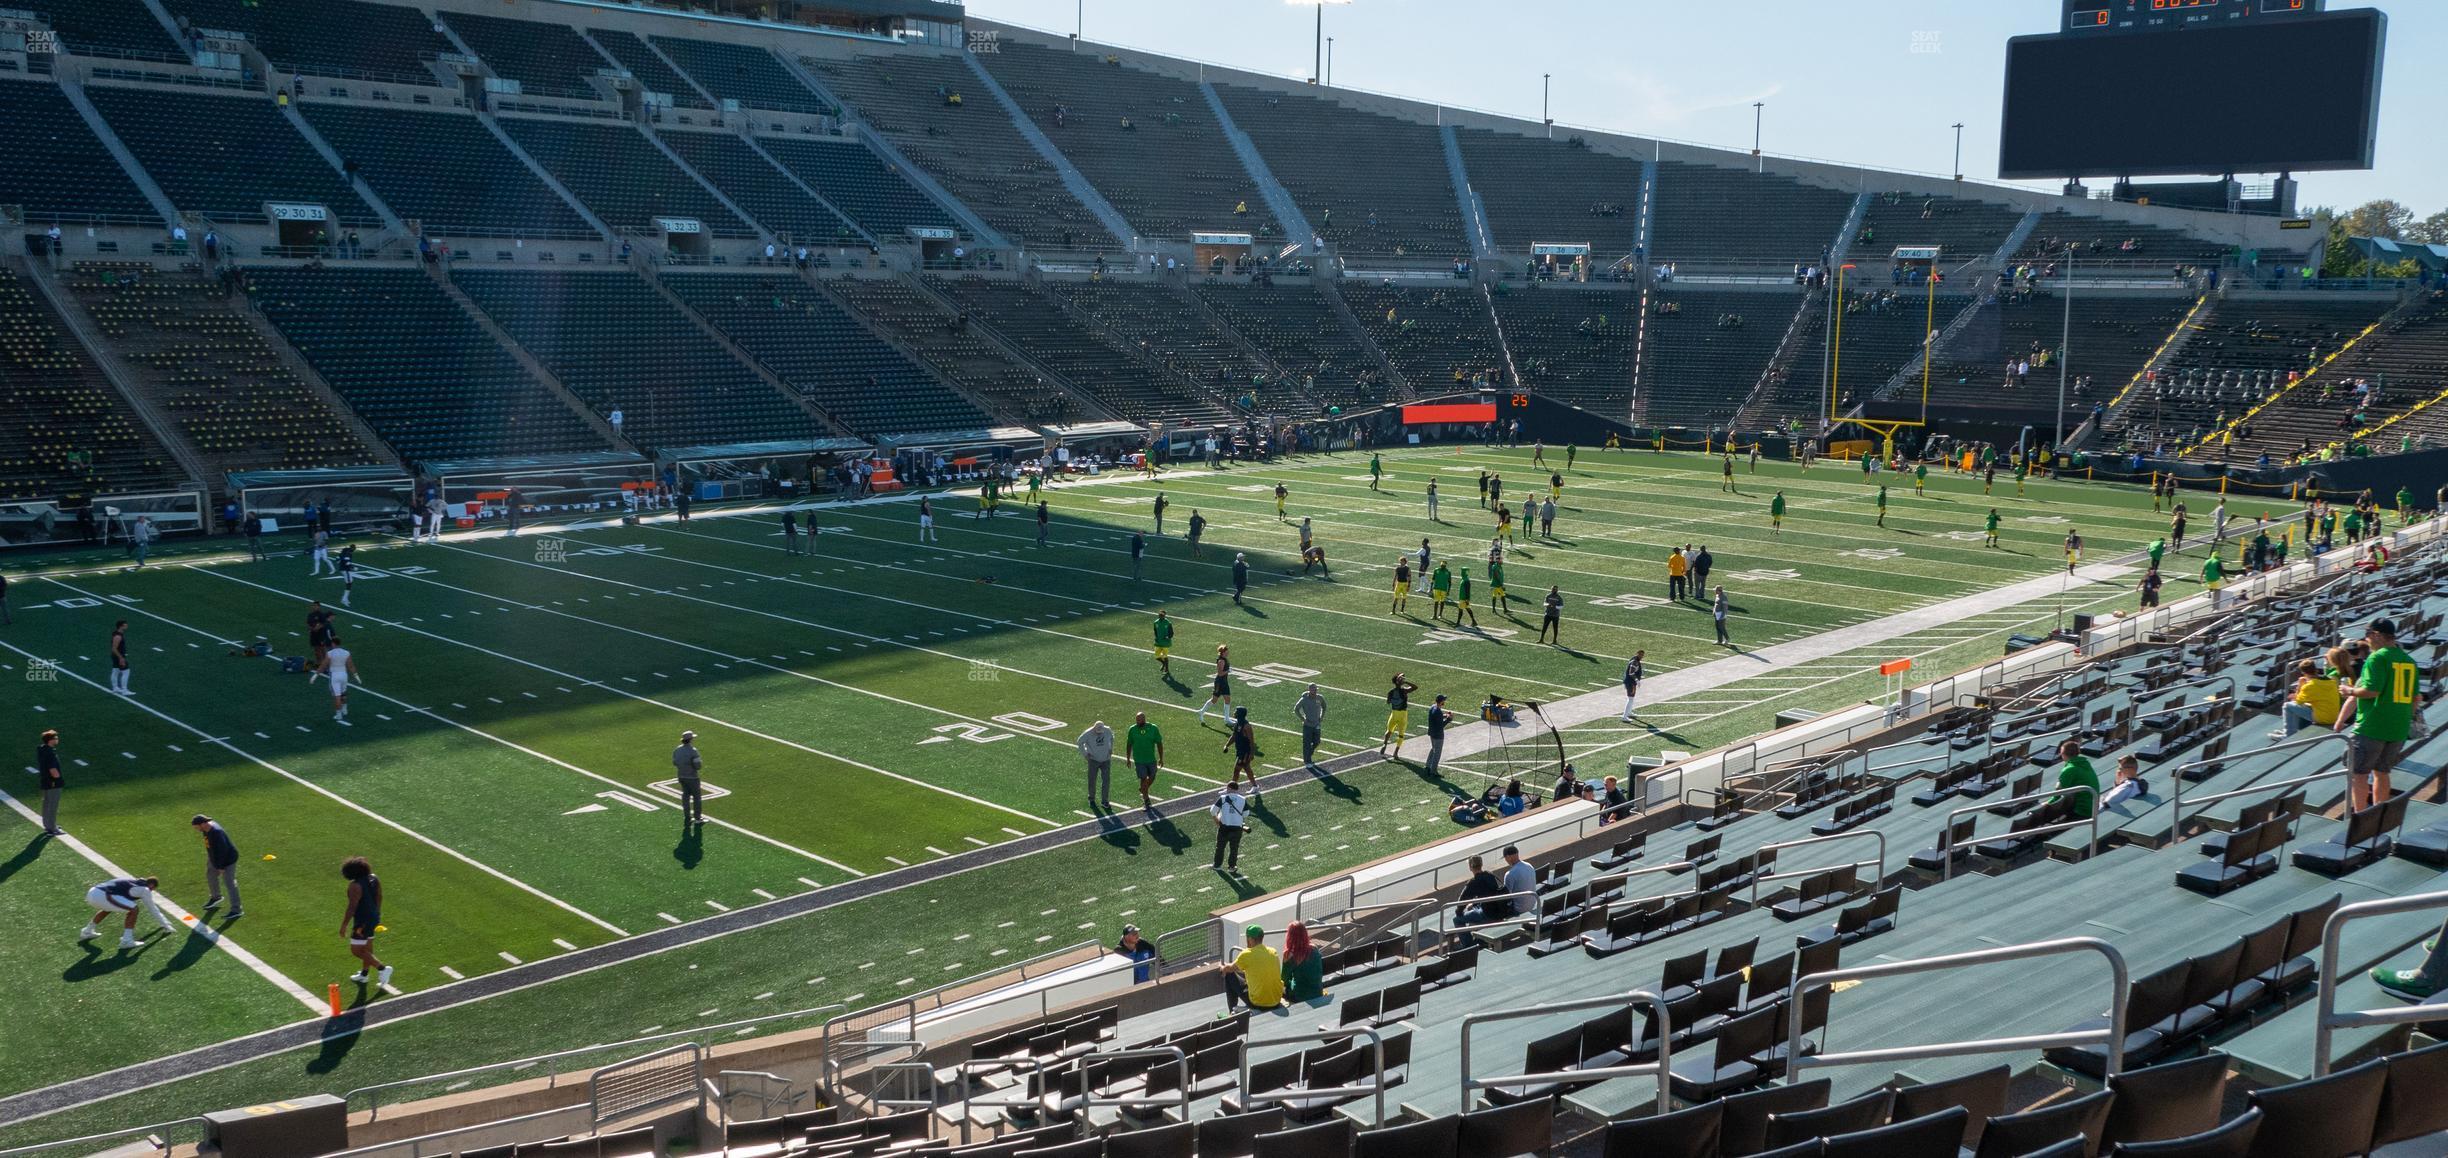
x=1079, y=23
x=1959, y=150
x=1317, y=62
x=1330, y=62
x=1546, y=84
x=1760, y=161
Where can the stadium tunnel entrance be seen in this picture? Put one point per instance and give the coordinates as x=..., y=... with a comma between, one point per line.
x=298, y=227
x=684, y=236
x=1220, y=252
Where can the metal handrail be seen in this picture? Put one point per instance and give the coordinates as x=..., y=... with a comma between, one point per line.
x=200, y=1122
x=1764, y=850
x=2113, y=1037
x=1351, y=896
x=1641, y=783
x=830, y=1070
x=877, y=1075
x=1946, y=867
x=1644, y=870
x=1657, y=1069
x=2330, y=1020
x=552, y=1076
x=416, y=1145
x=725, y=1094
x=1871, y=767
x=1376, y=1047
x=2177, y=780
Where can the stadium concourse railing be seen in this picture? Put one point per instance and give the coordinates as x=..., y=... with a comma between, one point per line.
x=372, y=1097
x=2112, y=1037
x=2176, y=800
x=2331, y=1020
x=1472, y=1083
x=860, y=1039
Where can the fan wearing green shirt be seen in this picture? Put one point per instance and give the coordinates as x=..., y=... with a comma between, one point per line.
x=1462, y=606
x=2384, y=702
x=2405, y=506
x=2158, y=549
x=1376, y=470
x=2214, y=577
x=1496, y=590
x=2075, y=773
x=1776, y=515
x=1921, y=478
x=1440, y=587
x=1882, y=505
x=1989, y=527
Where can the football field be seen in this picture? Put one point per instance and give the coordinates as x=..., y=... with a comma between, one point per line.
x=872, y=706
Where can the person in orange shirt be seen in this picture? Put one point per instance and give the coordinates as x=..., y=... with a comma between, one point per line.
x=1677, y=567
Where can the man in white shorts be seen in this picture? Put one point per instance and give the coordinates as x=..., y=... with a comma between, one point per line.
x=126, y=896
x=926, y=522
x=341, y=668
x=322, y=554
x=433, y=521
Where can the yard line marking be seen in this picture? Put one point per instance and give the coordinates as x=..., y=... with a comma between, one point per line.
x=898, y=861
x=564, y=944
x=669, y=917
x=718, y=906
x=809, y=883
x=560, y=763
x=741, y=728
x=976, y=841
x=1017, y=832
x=453, y=974
x=200, y=928
x=505, y=955
x=328, y=794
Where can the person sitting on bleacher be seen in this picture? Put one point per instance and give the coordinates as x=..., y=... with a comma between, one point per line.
x=2129, y=782
x=2075, y=772
x=1475, y=810
x=1254, y=976
x=1568, y=786
x=2316, y=696
x=1303, y=966
x=1482, y=884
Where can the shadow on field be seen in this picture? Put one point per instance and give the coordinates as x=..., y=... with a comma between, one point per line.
x=340, y=1037
x=191, y=949
x=102, y=962
x=690, y=852
x=25, y=856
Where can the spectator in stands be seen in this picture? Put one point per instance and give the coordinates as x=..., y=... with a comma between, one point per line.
x=1254, y=976
x=1481, y=886
x=1303, y=966
x=2316, y=696
x=2129, y=782
x=2387, y=694
x=1520, y=879
x=2423, y=982
x=1137, y=949
x=2075, y=772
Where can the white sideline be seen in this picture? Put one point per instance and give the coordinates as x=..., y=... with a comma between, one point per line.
x=199, y=928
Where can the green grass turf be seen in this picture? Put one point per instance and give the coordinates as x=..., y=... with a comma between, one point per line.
x=841, y=699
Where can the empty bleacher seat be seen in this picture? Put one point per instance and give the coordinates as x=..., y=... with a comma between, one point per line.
x=1370, y=184
x=444, y=170
x=651, y=73
x=412, y=363
x=808, y=342
x=226, y=155
x=109, y=28
x=620, y=175
x=1081, y=101
x=207, y=368
x=618, y=344
x=743, y=73
x=760, y=190
x=381, y=41
x=861, y=184
x=547, y=59
x=55, y=166
x=971, y=147
x=65, y=432
x=1027, y=317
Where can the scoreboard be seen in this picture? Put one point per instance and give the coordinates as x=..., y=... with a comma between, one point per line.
x=2109, y=16
x=2193, y=87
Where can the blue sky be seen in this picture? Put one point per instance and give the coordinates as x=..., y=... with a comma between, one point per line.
x=1874, y=82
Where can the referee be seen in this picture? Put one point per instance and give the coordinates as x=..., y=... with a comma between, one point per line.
x=689, y=764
